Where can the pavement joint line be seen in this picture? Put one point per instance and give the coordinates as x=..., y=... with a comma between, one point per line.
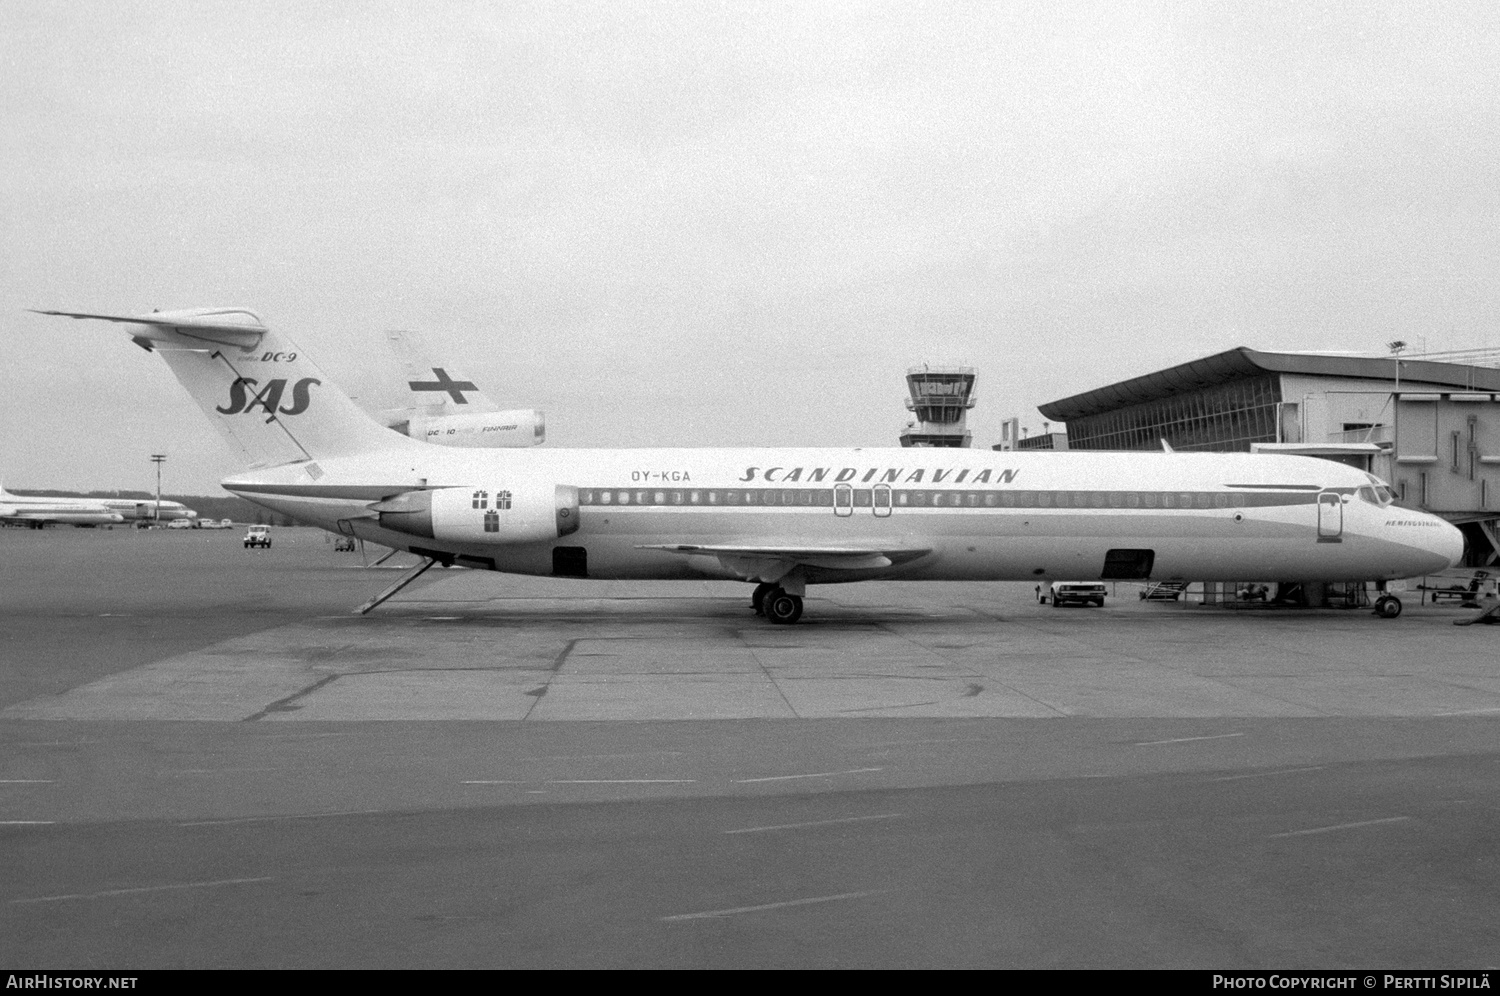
x=771, y=906
x=1186, y=740
x=1468, y=712
x=53, y=743
x=26, y=823
x=269, y=819
x=283, y=704
x=1340, y=826
x=817, y=774
x=144, y=888
x=1268, y=774
x=882, y=708
x=619, y=781
x=557, y=666
x=26, y=781
x=817, y=823
x=767, y=672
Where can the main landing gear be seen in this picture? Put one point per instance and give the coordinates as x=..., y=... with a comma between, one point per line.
x=1387, y=606
x=771, y=601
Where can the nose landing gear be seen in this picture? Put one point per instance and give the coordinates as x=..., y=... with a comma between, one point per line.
x=1387, y=606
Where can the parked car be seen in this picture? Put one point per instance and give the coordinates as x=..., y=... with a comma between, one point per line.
x=344, y=544
x=180, y=524
x=215, y=524
x=258, y=536
x=1082, y=592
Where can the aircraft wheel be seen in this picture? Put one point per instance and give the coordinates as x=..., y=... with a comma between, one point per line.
x=758, y=599
x=1388, y=607
x=782, y=608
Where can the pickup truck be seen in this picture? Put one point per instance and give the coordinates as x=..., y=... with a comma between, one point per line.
x=1082, y=592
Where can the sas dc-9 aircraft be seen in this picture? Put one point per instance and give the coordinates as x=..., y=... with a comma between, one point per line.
x=782, y=519
x=38, y=511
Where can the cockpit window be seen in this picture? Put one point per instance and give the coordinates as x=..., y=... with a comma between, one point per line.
x=1384, y=495
x=1368, y=494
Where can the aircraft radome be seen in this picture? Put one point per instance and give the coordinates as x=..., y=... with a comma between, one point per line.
x=781, y=518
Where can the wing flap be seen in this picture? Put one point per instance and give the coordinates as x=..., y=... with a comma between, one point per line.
x=760, y=560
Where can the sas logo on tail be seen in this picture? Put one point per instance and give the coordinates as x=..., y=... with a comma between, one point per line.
x=268, y=398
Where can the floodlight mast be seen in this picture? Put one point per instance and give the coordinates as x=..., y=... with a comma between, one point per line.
x=158, y=459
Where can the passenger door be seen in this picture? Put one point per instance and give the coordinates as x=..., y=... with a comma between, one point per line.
x=1330, y=517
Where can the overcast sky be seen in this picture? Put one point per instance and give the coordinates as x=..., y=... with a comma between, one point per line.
x=728, y=224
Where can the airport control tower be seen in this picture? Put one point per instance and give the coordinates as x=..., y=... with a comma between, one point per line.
x=941, y=397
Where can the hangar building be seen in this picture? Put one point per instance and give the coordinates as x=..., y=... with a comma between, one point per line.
x=1429, y=426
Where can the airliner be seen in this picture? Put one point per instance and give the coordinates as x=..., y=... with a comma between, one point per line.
x=782, y=519
x=448, y=410
x=39, y=511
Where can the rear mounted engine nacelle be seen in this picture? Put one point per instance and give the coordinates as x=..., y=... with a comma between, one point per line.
x=514, y=514
x=479, y=430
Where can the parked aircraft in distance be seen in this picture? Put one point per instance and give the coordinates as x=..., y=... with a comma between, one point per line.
x=38, y=510
x=781, y=518
x=450, y=411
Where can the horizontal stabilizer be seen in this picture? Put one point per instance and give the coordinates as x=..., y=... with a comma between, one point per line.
x=223, y=326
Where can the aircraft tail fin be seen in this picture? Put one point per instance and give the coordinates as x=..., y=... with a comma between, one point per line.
x=268, y=400
x=432, y=389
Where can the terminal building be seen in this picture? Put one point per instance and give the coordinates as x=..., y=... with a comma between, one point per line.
x=1429, y=426
x=940, y=399
x=1013, y=437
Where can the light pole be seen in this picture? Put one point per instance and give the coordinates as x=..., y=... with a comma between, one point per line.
x=158, y=459
x=1396, y=346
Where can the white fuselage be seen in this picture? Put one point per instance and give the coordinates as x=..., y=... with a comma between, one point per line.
x=962, y=514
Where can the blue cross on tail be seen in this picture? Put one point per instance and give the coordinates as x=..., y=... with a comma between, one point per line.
x=444, y=383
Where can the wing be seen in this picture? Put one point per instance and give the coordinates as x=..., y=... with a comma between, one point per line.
x=772, y=563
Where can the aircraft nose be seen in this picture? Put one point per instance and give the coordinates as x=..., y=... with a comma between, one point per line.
x=1447, y=546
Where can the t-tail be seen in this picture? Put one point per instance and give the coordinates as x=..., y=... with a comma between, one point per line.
x=268, y=400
